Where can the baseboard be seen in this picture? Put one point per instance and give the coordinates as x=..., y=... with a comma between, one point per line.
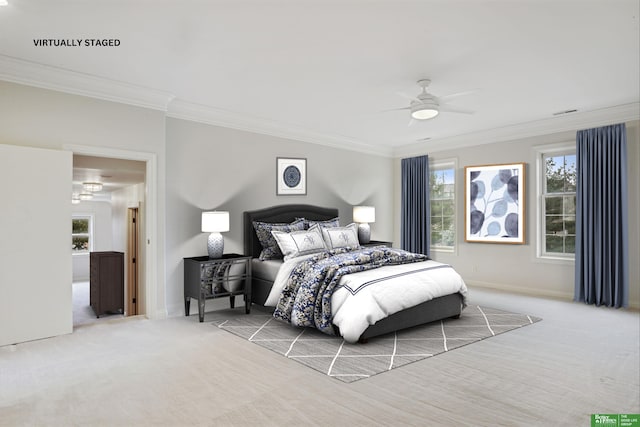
x=522, y=291
x=178, y=309
x=541, y=293
x=160, y=314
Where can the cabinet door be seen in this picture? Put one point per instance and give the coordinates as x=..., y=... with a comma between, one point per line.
x=211, y=274
x=35, y=247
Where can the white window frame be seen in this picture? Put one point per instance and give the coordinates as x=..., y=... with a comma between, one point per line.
x=542, y=152
x=440, y=165
x=90, y=234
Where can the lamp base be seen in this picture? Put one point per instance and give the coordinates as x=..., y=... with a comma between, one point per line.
x=364, y=233
x=215, y=245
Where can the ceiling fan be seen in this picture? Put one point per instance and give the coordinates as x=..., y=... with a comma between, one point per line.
x=427, y=106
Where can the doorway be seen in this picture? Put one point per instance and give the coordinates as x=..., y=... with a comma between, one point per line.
x=127, y=190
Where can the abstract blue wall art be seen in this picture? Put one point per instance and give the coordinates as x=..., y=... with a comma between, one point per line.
x=494, y=203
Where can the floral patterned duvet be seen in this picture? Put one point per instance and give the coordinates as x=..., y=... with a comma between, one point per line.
x=355, y=289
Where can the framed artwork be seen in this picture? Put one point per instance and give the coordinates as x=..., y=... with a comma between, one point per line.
x=291, y=176
x=494, y=203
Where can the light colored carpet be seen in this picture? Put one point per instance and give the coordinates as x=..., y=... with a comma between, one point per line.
x=351, y=362
x=83, y=314
x=176, y=372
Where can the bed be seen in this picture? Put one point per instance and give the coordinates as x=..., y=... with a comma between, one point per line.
x=442, y=307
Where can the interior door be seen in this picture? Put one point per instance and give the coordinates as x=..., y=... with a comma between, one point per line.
x=35, y=243
x=133, y=261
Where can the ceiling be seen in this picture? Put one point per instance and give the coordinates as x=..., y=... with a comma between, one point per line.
x=326, y=71
x=113, y=174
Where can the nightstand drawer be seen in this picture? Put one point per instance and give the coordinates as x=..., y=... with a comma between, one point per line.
x=224, y=276
x=206, y=278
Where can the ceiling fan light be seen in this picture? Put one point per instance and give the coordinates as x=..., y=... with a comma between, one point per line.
x=424, y=112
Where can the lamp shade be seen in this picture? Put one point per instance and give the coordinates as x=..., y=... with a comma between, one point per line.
x=364, y=214
x=215, y=221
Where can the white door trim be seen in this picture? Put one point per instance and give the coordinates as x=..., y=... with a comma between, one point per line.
x=154, y=308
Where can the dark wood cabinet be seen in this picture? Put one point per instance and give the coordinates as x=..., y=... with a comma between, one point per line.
x=106, y=292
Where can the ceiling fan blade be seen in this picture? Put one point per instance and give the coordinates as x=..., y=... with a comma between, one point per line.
x=409, y=97
x=448, y=109
x=455, y=95
x=396, y=109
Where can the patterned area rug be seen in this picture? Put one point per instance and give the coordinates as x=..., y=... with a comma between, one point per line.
x=351, y=362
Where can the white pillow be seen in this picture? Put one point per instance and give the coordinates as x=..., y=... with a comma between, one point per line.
x=297, y=243
x=340, y=237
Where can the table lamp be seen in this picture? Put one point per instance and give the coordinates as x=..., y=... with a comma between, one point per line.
x=363, y=215
x=215, y=222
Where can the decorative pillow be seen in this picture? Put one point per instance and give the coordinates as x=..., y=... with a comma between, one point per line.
x=270, y=249
x=297, y=243
x=308, y=223
x=335, y=222
x=341, y=237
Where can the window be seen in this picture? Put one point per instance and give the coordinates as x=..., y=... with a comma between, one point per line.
x=442, y=195
x=558, y=204
x=81, y=241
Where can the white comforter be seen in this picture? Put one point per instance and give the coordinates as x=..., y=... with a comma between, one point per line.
x=363, y=298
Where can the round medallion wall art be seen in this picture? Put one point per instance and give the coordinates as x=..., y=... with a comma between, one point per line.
x=291, y=176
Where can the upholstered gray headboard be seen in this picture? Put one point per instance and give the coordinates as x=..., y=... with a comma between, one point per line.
x=280, y=213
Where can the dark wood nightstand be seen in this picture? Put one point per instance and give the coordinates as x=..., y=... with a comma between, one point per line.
x=206, y=278
x=377, y=243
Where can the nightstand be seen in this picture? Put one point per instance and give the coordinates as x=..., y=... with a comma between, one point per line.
x=373, y=243
x=206, y=278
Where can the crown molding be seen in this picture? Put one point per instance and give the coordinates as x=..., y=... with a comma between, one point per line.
x=184, y=110
x=53, y=78
x=29, y=73
x=570, y=122
x=47, y=77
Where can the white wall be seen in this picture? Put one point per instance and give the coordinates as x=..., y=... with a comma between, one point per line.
x=35, y=253
x=100, y=211
x=202, y=167
x=132, y=196
x=633, y=190
x=210, y=167
x=37, y=117
x=121, y=201
x=516, y=268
